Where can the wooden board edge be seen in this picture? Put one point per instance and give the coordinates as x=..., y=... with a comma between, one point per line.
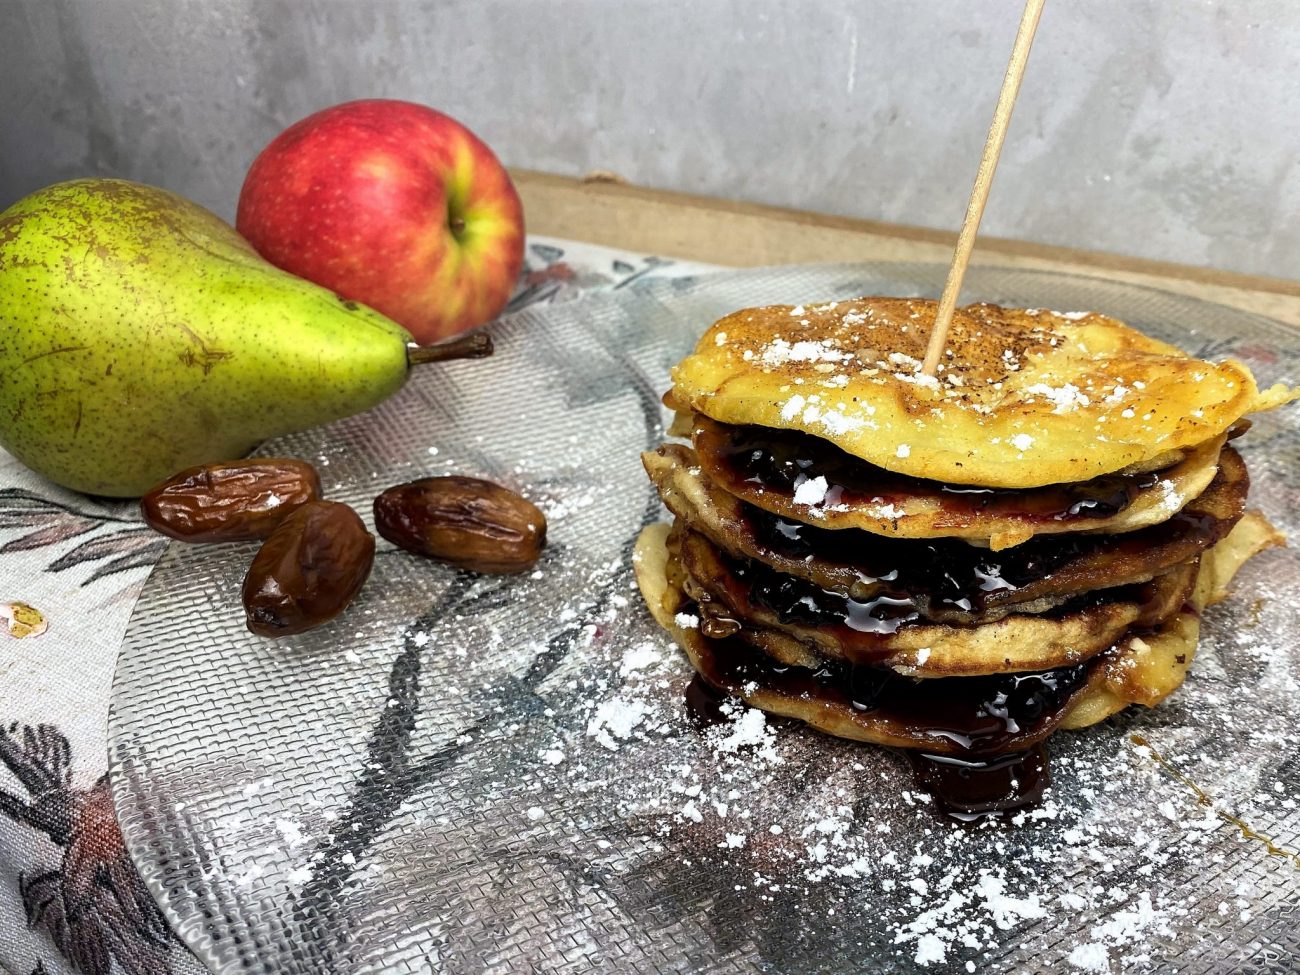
x=607, y=190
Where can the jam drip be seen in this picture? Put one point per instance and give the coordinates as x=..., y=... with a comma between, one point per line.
x=977, y=740
x=971, y=789
x=950, y=575
x=779, y=461
x=798, y=601
x=986, y=715
x=704, y=704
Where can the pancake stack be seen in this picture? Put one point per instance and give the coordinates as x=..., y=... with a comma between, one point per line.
x=959, y=565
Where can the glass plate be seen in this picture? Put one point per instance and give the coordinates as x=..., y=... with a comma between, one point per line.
x=476, y=774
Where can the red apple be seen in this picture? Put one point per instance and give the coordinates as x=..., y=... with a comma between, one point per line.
x=393, y=205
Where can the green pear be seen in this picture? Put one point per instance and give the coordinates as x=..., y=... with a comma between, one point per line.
x=140, y=334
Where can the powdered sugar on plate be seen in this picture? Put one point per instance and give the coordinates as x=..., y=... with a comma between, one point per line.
x=810, y=830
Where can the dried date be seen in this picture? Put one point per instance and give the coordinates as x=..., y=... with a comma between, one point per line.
x=231, y=502
x=471, y=523
x=308, y=571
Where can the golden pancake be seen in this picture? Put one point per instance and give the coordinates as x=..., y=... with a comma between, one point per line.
x=1154, y=666
x=1139, y=669
x=949, y=581
x=867, y=633
x=837, y=491
x=1024, y=398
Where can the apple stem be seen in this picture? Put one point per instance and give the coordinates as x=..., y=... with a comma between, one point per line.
x=474, y=346
x=458, y=225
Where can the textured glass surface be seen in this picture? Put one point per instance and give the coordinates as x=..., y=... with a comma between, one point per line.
x=468, y=774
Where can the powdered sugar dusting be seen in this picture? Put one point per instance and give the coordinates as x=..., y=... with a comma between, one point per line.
x=1170, y=499
x=811, y=491
x=614, y=721
x=1063, y=398
x=1090, y=957
x=778, y=352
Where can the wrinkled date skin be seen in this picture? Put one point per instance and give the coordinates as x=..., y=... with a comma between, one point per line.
x=473, y=524
x=237, y=501
x=309, y=570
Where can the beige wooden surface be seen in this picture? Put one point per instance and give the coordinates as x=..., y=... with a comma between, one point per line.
x=603, y=211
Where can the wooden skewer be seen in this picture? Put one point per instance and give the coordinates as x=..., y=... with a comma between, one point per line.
x=983, y=180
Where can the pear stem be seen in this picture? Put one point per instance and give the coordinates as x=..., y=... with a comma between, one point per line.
x=474, y=346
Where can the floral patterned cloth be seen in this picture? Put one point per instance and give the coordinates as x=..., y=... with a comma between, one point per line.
x=71, y=568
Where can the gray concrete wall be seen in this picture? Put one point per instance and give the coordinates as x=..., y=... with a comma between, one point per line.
x=1161, y=128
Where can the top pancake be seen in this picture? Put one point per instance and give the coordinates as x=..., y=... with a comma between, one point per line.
x=1024, y=398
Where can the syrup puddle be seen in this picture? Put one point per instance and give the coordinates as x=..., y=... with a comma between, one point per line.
x=1204, y=799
